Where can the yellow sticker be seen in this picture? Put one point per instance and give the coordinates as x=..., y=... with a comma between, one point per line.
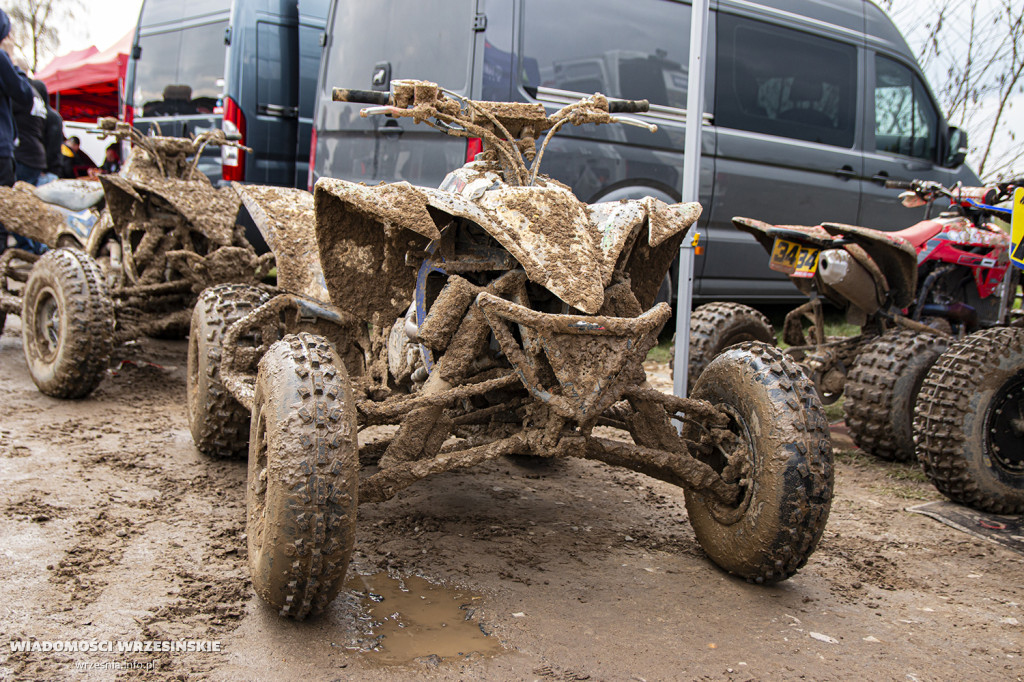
x=1017, y=228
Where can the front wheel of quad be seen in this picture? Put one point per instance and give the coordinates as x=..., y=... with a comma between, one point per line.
x=779, y=452
x=716, y=326
x=882, y=388
x=67, y=324
x=219, y=423
x=303, y=476
x=969, y=422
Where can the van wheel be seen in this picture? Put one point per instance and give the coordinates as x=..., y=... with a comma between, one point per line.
x=882, y=388
x=219, y=423
x=716, y=326
x=969, y=422
x=303, y=481
x=67, y=324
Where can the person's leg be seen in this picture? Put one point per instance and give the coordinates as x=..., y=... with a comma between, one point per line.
x=6, y=179
x=26, y=173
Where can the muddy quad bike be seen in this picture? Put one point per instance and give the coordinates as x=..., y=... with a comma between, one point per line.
x=969, y=421
x=910, y=292
x=165, y=235
x=59, y=213
x=495, y=315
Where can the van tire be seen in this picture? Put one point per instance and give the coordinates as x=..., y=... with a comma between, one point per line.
x=716, y=326
x=882, y=388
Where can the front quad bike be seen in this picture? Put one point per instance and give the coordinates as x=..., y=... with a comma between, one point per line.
x=969, y=421
x=497, y=315
x=910, y=292
x=166, y=235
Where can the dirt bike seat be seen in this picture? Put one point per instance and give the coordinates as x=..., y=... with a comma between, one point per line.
x=920, y=233
x=74, y=195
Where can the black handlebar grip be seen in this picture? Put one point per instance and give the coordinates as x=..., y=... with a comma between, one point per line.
x=628, y=106
x=899, y=184
x=361, y=96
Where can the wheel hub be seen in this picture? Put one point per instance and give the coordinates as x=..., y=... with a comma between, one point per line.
x=734, y=461
x=1004, y=428
x=47, y=323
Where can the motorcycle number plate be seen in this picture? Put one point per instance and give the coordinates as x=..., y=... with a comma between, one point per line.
x=793, y=259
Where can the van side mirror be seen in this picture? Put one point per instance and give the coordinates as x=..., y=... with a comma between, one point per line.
x=956, y=147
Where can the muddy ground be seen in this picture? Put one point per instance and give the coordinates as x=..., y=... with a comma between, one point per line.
x=116, y=528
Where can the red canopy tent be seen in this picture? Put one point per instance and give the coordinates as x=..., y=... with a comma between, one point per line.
x=86, y=84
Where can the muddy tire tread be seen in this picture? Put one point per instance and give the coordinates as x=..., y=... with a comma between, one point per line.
x=710, y=325
x=812, y=449
x=942, y=441
x=872, y=396
x=223, y=431
x=90, y=323
x=323, y=502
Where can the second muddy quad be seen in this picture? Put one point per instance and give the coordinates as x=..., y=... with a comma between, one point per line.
x=418, y=331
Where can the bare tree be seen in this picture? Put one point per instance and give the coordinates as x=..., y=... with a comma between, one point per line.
x=975, y=54
x=34, y=31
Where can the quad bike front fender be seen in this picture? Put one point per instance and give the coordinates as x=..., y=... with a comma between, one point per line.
x=24, y=214
x=285, y=218
x=211, y=212
x=568, y=247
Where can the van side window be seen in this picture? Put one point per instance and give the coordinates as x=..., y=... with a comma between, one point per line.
x=639, y=53
x=274, y=85
x=780, y=81
x=906, y=121
x=180, y=72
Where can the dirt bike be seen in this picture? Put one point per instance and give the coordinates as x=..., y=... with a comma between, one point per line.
x=496, y=315
x=164, y=235
x=969, y=417
x=911, y=292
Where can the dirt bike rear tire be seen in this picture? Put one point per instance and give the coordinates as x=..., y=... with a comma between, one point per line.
x=67, y=324
x=969, y=440
x=882, y=388
x=716, y=326
x=770, y=533
x=219, y=423
x=303, y=479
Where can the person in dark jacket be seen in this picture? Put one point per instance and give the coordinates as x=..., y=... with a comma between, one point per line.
x=14, y=90
x=30, y=150
x=54, y=141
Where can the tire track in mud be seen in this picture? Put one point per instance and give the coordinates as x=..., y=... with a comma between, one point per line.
x=116, y=490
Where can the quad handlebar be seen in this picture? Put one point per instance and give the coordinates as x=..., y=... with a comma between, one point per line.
x=509, y=130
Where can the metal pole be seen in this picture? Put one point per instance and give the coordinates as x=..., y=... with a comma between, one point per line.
x=691, y=185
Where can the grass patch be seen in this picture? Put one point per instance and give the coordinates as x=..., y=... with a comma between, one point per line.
x=662, y=352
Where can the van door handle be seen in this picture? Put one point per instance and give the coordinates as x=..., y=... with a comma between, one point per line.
x=846, y=172
x=391, y=127
x=278, y=110
x=880, y=178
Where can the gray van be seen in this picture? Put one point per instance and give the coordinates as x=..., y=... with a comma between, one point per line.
x=248, y=66
x=811, y=107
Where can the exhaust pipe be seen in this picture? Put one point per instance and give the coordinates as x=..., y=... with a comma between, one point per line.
x=841, y=271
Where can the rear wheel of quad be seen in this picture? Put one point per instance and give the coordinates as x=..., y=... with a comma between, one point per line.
x=67, y=324
x=219, y=423
x=781, y=454
x=882, y=388
x=303, y=476
x=716, y=326
x=969, y=422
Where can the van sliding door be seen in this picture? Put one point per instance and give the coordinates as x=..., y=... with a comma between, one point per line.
x=786, y=117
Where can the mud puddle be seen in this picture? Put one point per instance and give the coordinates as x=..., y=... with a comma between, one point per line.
x=409, y=619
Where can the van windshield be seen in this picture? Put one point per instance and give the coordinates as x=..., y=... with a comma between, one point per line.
x=413, y=37
x=180, y=72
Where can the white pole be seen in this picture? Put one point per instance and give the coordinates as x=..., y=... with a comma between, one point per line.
x=691, y=185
